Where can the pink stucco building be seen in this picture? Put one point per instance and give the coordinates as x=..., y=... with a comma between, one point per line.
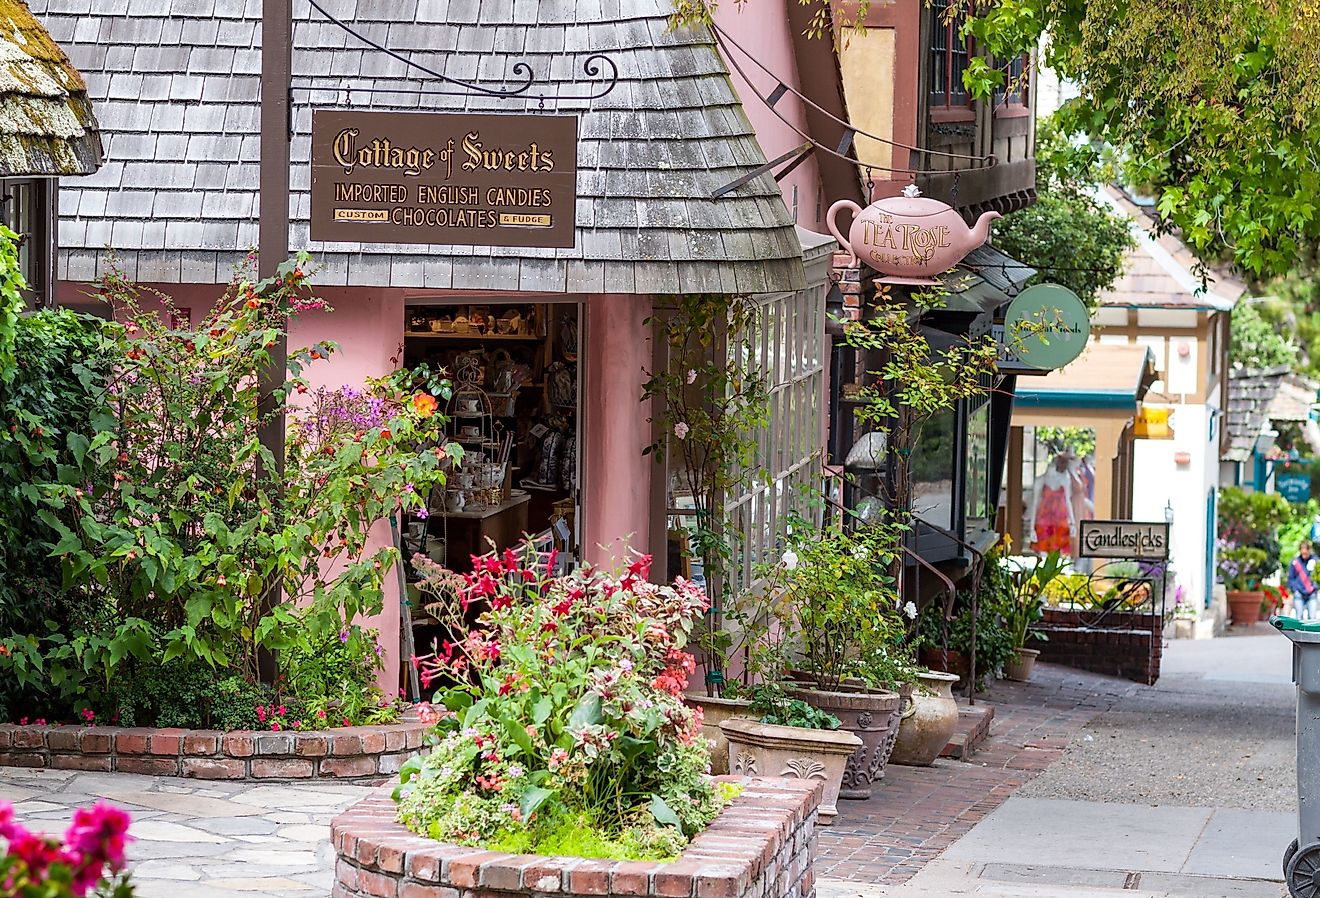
x=561, y=334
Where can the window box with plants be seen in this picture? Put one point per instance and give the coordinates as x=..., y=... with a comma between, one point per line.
x=790, y=738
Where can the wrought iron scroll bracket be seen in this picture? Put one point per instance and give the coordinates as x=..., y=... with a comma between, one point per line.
x=602, y=74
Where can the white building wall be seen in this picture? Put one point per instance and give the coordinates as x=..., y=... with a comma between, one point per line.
x=1159, y=481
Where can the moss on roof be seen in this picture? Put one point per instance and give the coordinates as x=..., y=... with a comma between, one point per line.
x=47, y=126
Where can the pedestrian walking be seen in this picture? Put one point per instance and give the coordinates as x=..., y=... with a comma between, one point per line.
x=1301, y=583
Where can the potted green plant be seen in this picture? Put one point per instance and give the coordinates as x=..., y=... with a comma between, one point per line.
x=1241, y=569
x=788, y=737
x=1248, y=549
x=838, y=603
x=1027, y=582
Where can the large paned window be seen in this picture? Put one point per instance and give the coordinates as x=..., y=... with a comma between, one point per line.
x=949, y=53
x=789, y=353
x=1014, y=91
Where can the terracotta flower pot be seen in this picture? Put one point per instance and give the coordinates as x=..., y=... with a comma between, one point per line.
x=928, y=722
x=948, y=662
x=1020, y=668
x=1244, y=607
x=714, y=711
x=870, y=715
x=767, y=749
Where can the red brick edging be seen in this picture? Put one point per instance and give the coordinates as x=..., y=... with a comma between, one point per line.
x=365, y=752
x=761, y=846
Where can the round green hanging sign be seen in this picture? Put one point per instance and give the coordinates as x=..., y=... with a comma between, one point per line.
x=1046, y=327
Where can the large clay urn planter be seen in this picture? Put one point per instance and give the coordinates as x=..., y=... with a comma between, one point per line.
x=928, y=722
x=1021, y=667
x=767, y=749
x=871, y=716
x=714, y=711
x=948, y=662
x=1244, y=607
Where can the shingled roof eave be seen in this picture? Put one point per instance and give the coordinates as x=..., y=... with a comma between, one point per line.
x=675, y=104
x=47, y=126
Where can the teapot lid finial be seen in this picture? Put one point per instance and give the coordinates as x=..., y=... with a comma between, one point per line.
x=912, y=190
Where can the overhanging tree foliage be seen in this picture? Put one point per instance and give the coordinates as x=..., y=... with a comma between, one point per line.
x=1213, y=104
x=1067, y=234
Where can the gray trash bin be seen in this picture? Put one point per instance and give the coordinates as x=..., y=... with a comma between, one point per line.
x=1301, y=862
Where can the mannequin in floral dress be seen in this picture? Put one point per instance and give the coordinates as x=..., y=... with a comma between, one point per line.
x=1053, y=522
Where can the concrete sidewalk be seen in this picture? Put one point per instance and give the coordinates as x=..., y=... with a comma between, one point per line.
x=1183, y=790
x=1081, y=849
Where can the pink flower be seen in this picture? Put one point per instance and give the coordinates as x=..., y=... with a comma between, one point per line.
x=100, y=834
x=275, y=726
x=692, y=376
x=427, y=713
x=681, y=429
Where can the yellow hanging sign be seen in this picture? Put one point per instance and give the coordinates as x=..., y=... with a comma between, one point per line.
x=1152, y=424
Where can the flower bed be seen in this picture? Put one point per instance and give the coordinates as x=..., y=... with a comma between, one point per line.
x=359, y=753
x=762, y=844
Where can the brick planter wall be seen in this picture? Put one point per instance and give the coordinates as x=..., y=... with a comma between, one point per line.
x=761, y=846
x=1126, y=644
x=360, y=753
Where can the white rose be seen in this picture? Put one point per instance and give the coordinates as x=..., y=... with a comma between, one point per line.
x=910, y=610
x=790, y=560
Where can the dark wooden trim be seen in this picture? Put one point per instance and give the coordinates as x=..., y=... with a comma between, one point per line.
x=952, y=114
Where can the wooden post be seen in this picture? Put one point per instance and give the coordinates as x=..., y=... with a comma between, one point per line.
x=273, y=234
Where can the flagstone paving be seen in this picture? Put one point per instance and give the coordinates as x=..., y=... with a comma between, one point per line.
x=200, y=839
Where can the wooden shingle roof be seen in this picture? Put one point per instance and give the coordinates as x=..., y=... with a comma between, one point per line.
x=46, y=121
x=176, y=85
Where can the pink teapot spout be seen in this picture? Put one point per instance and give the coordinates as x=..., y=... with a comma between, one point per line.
x=981, y=230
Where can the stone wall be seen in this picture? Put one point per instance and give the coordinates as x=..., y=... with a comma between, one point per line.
x=1123, y=644
x=761, y=846
x=360, y=753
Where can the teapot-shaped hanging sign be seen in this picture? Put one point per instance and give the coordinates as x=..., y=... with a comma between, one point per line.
x=909, y=238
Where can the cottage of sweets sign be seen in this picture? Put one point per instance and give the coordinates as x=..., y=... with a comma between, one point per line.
x=439, y=178
x=1123, y=539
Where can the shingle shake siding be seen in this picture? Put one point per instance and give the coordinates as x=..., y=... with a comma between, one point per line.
x=176, y=87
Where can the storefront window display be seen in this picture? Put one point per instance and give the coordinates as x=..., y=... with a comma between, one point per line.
x=1058, y=480
x=514, y=410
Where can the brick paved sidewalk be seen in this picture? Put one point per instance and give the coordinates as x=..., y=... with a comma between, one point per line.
x=918, y=812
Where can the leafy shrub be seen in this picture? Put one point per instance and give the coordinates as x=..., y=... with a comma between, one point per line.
x=565, y=710
x=836, y=598
x=994, y=636
x=185, y=694
x=89, y=858
x=162, y=519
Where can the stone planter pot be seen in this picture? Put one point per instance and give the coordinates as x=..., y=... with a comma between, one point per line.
x=948, y=662
x=1244, y=607
x=928, y=721
x=870, y=715
x=715, y=711
x=767, y=749
x=1021, y=667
